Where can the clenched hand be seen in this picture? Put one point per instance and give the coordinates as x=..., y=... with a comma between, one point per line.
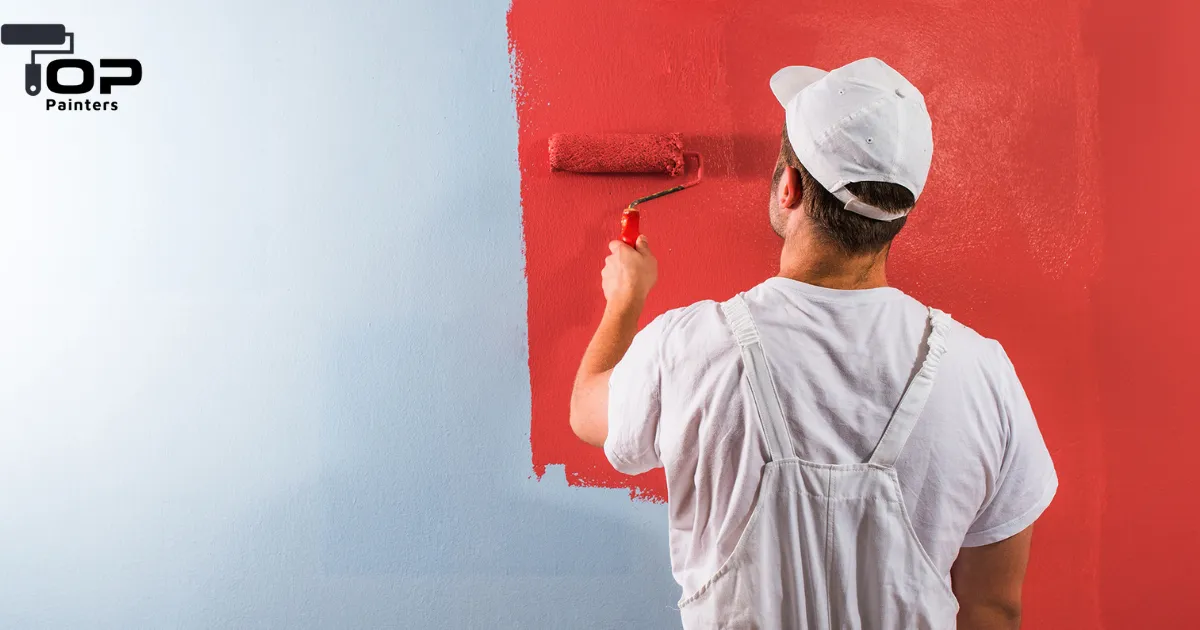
x=629, y=274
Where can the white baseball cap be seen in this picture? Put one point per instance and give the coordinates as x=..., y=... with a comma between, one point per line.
x=863, y=122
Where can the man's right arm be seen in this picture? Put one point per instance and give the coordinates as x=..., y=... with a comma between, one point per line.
x=987, y=582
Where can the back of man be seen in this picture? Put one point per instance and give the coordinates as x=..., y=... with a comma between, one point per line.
x=973, y=471
x=837, y=454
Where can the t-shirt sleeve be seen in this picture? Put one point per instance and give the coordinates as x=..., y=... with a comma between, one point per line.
x=634, y=403
x=1026, y=482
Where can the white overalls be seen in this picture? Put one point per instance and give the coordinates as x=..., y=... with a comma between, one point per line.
x=828, y=545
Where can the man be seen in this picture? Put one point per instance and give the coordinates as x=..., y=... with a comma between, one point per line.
x=837, y=455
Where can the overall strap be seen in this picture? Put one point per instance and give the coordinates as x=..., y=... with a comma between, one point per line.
x=762, y=388
x=912, y=402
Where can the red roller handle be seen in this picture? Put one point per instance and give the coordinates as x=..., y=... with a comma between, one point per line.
x=629, y=219
x=629, y=227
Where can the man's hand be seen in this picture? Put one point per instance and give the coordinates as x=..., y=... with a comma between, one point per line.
x=629, y=274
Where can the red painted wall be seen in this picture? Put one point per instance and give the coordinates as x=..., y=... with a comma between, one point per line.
x=1057, y=219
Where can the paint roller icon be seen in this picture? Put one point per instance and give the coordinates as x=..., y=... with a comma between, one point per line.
x=37, y=35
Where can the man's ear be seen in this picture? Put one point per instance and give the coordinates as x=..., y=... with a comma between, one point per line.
x=790, y=191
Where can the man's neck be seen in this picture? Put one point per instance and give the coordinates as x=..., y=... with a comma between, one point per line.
x=821, y=265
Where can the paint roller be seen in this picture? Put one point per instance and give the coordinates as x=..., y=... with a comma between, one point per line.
x=37, y=35
x=625, y=153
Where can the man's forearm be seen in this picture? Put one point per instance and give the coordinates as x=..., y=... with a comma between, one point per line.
x=613, y=337
x=589, y=398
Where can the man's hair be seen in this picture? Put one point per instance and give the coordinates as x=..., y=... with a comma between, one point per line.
x=852, y=233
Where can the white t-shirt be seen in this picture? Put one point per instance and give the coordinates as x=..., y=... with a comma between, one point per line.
x=975, y=469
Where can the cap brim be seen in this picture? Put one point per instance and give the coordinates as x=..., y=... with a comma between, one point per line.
x=790, y=81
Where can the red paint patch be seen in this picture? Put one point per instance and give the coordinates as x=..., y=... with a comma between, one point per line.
x=1011, y=235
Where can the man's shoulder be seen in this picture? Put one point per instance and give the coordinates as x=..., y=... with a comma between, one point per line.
x=969, y=339
x=698, y=315
x=699, y=328
x=973, y=353
x=697, y=331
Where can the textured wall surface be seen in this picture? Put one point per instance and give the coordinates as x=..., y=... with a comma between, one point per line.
x=284, y=342
x=262, y=343
x=1051, y=221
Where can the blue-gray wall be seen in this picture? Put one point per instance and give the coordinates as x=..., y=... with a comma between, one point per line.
x=263, y=341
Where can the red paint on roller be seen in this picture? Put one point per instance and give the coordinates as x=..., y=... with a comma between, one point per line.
x=622, y=153
x=1057, y=219
x=617, y=153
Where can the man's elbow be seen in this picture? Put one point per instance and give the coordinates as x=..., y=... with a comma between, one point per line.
x=1012, y=615
x=576, y=416
x=992, y=615
x=987, y=581
x=1009, y=612
x=583, y=424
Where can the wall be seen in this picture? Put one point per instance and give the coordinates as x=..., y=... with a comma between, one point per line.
x=1146, y=303
x=282, y=337
x=1023, y=191
x=1055, y=220
x=262, y=345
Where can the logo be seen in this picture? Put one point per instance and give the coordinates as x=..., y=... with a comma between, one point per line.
x=113, y=72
